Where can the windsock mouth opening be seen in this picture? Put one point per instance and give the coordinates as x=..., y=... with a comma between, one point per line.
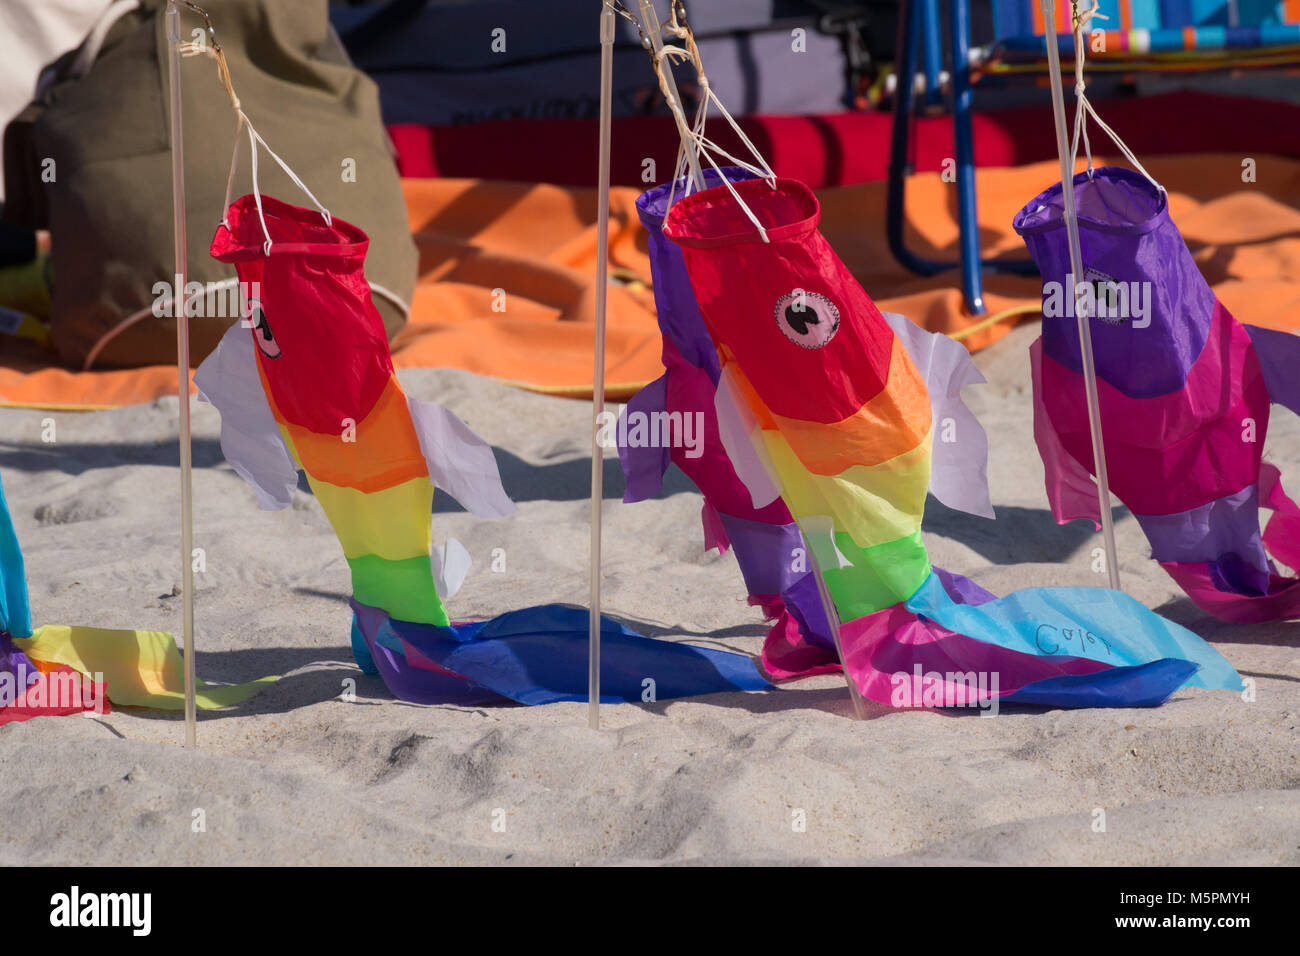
x=652, y=205
x=293, y=231
x=713, y=217
x=1113, y=199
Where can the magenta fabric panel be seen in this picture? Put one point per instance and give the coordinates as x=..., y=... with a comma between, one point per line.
x=1174, y=452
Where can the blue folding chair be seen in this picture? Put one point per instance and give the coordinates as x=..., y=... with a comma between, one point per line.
x=1151, y=35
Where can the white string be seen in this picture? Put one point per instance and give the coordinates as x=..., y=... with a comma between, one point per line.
x=680, y=168
x=701, y=145
x=1084, y=107
x=230, y=180
x=254, y=140
x=325, y=213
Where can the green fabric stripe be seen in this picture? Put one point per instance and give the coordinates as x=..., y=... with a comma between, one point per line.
x=876, y=577
x=402, y=588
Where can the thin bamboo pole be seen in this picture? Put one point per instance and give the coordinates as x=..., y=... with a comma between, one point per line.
x=1076, y=278
x=182, y=368
x=598, y=375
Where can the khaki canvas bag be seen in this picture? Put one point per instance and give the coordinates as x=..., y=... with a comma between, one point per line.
x=90, y=160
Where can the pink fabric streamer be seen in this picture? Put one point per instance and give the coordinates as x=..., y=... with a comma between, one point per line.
x=884, y=651
x=1071, y=490
x=715, y=535
x=1282, y=533
x=787, y=655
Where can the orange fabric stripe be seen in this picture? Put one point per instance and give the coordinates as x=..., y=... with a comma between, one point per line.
x=1291, y=11
x=1126, y=14
x=1189, y=38
x=890, y=424
x=1038, y=18
x=385, y=452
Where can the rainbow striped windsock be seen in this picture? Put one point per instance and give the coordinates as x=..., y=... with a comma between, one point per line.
x=766, y=541
x=852, y=416
x=309, y=383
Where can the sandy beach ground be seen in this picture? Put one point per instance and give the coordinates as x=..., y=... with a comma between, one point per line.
x=298, y=775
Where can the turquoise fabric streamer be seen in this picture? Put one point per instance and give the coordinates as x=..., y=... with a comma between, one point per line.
x=15, y=613
x=1096, y=623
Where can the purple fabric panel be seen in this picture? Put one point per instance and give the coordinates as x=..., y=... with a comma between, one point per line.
x=1228, y=525
x=766, y=555
x=1211, y=587
x=408, y=682
x=961, y=588
x=644, y=467
x=1279, y=357
x=1126, y=234
x=679, y=316
x=15, y=662
x=1233, y=575
x=765, y=552
x=805, y=606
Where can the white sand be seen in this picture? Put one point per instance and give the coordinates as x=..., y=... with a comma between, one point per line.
x=297, y=775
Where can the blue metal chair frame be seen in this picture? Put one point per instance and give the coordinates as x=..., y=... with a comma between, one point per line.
x=919, y=20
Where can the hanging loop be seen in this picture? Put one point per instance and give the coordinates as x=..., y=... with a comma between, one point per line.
x=694, y=143
x=255, y=140
x=1080, y=19
x=212, y=48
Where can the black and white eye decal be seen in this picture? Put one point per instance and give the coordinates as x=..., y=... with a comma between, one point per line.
x=807, y=319
x=256, y=320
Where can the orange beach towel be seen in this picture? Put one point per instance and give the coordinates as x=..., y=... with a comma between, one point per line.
x=507, y=273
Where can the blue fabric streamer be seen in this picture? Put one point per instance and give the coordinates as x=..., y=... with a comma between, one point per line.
x=1144, y=685
x=539, y=656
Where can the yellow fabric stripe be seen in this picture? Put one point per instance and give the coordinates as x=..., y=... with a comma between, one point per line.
x=139, y=668
x=873, y=504
x=393, y=524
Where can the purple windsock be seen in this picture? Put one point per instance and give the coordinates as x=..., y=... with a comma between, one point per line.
x=673, y=419
x=1184, y=392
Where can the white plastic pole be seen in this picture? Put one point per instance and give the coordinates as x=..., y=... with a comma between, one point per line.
x=598, y=376
x=833, y=622
x=1077, y=277
x=182, y=367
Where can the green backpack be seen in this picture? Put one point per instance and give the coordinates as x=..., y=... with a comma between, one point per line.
x=90, y=160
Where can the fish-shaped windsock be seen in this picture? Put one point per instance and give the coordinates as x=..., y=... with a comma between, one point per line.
x=1184, y=392
x=57, y=669
x=655, y=427
x=852, y=416
x=309, y=383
